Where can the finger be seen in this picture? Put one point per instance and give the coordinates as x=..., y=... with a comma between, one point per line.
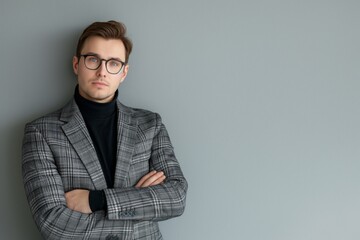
x=158, y=181
x=152, y=179
x=144, y=178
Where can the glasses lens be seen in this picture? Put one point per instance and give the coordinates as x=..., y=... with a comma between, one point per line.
x=92, y=62
x=113, y=66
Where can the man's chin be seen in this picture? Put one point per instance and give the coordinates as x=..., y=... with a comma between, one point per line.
x=103, y=99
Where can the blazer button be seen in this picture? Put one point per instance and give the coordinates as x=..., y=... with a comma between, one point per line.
x=112, y=237
x=123, y=214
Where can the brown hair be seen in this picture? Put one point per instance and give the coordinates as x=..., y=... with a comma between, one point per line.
x=107, y=30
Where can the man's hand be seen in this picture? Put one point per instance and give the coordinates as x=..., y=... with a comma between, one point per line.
x=78, y=200
x=151, y=179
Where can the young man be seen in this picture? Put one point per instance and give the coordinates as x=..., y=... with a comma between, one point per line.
x=96, y=169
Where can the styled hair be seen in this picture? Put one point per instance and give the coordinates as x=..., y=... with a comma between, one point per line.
x=107, y=30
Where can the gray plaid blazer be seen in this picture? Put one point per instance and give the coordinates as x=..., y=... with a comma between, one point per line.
x=58, y=156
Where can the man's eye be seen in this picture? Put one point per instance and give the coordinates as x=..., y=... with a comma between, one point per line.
x=93, y=59
x=114, y=63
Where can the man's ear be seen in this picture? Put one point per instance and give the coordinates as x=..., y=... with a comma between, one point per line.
x=124, y=73
x=75, y=64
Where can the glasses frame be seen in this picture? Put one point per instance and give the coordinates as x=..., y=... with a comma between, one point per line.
x=101, y=60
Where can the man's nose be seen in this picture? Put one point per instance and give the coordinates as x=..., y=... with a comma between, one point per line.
x=102, y=68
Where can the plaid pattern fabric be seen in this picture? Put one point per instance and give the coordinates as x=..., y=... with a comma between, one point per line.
x=58, y=156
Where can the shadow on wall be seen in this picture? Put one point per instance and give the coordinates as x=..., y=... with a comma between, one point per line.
x=59, y=82
x=20, y=223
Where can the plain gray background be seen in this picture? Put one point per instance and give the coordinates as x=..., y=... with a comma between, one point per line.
x=261, y=100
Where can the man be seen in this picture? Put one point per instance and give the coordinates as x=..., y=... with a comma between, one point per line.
x=96, y=169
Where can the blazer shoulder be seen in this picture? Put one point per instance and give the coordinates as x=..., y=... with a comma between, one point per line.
x=48, y=121
x=141, y=116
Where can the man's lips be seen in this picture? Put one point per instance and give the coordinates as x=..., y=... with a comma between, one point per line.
x=99, y=83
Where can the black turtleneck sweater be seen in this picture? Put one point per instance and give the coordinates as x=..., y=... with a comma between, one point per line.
x=101, y=122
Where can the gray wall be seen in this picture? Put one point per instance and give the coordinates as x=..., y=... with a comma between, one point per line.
x=261, y=99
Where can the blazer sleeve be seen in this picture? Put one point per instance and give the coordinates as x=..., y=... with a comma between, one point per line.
x=155, y=203
x=45, y=193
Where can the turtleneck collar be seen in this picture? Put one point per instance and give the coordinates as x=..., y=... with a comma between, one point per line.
x=93, y=109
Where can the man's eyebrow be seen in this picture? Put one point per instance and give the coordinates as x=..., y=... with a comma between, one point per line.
x=92, y=54
x=97, y=55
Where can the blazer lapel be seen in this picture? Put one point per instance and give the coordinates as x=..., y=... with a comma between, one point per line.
x=127, y=127
x=79, y=137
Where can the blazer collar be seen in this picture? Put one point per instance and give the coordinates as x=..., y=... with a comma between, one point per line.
x=75, y=129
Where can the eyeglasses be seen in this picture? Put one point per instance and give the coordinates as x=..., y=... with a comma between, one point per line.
x=93, y=62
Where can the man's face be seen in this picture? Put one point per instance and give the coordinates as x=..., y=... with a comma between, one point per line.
x=99, y=85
